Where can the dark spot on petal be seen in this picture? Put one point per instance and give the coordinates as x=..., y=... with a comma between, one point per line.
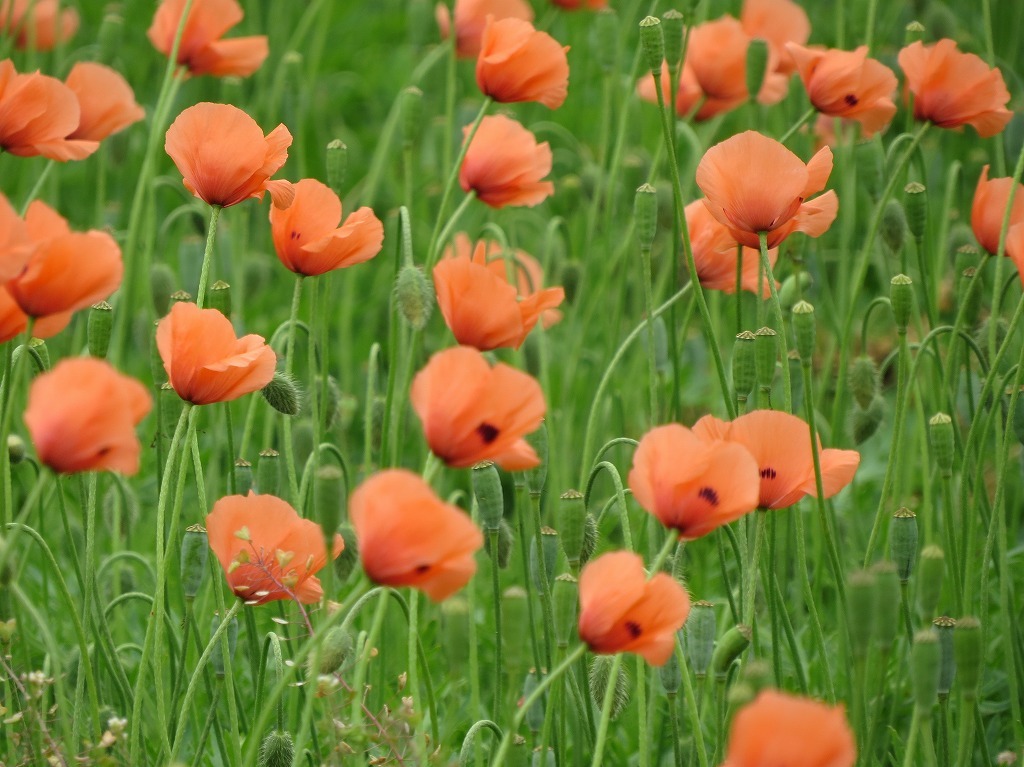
x=420, y=569
x=103, y=451
x=709, y=495
x=851, y=100
x=768, y=473
x=488, y=433
x=634, y=629
x=295, y=235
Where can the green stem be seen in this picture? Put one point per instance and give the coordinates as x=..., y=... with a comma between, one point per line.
x=499, y=666
x=752, y=570
x=787, y=384
x=211, y=237
x=805, y=118
x=289, y=366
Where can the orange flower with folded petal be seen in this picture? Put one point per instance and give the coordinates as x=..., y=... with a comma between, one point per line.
x=106, y=101
x=781, y=445
x=622, y=611
x=410, y=537
x=987, y=211
x=952, y=88
x=205, y=361
x=37, y=114
x=15, y=245
x=82, y=417
x=38, y=24
x=267, y=550
x=530, y=279
x=471, y=18
x=472, y=412
x=307, y=237
x=66, y=270
x=225, y=159
x=201, y=50
x=779, y=728
x=13, y=321
x=691, y=485
x=480, y=306
x=714, y=254
x=754, y=184
x=504, y=164
x=847, y=84
x=519, y=63
x=777, y=22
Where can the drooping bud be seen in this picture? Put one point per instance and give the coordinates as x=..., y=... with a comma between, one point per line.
x=15, y=449
x=757, y=66
x=944, y=627
x=101, y=320
x=967, y=655
x=744, y=366
x=564, y=597
x=653, y=44
x=414, y=296
x=925, y=659
x=917, y=208
x=804, y=328
x=487, y=490
x=412, y=116
x=793, y=289
x=195, y=547
x=348, y=559
x=337, y=161
x=940, y=437
x=161, y=285
x=729, y=648
x=606, y=39
x=334, y=650
x=864, y=423
x=600, y=673
x=672, y=35
x=590, y=538
x=893, y=226
x=268, y=472
x=276, y=750
x=700, y=630
x=860, y=606
x=283, y=394
x=535, y=713
x=645, y=215
x=887, y=618
x=903, y=542
x=217, y=657
x=901, y=294
x=863, y=380
x=570, y=516
x=931, y=568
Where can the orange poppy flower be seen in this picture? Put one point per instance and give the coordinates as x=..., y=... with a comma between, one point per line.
x=471, y=18
x=847, y=84
x=530, y=279
x=37, y=114
x=106, y=101
x=66, y=270
x=714, y=254
x=777, y=22
x=480, y=306
x=693, y=486
x=13, y=320
x=688, y=96
x=15, y=245
x=779, y=728
x=307, y=237
x=987, y=210
x=622, y=611
x=37, y=23
x=952, y=88
x=781, y=445
x=519, y=63
x=472, y=412
x=225, y=159
x=410, y=537
x=82, y=417
x=754, y=184
x=504, y=164
x=204, y=360
x=267, y=550
x=201, y=49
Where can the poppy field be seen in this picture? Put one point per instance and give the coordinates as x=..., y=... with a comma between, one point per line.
x=511, y=382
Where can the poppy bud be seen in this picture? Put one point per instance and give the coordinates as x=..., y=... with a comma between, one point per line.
x=330, y=408
x=606, y=39
x=903, y=542
x=967, y=654
x=283, y=394
x=865, y=423
x=645, y=215
x=181, y=297
x=925, y=659
x=516, y=609
x=671, y=675
x=101, y=319
x=860, y=611
x=334, y=650
x=414, y=296
x=549, y=548
x=868, y=157
x=944, y=627
x=917, y=208
x=767, y=348
x=757, y=66
x=412, y=115
x=793, y=288
x=672, y=34
x=887, y=604
x=347, y=560
x=487, y=490
x=729, y=648
x=276, y=750
x=929, y=582
x=804, y=329
x=243, y=476
x=565, y=596
x=194, y=549
x=544, y=758
x=570, y=521
x=913, y=32
x=893, y=226
x=219, y=298
x=161, y=285
x=217, y=657
x=337, y=160
x=863, y=380
x=38, y=345
x=968, y=298
x=268, y=472
x=744, y=368
x=15, y=449
x=901, y=295
x=940, y=436
x=600, y=673
x=590, y=538
x=328, y=495
x=652, y=42
x=454, y=634
x=506, y=540
x=700, y=637
x=534, y=714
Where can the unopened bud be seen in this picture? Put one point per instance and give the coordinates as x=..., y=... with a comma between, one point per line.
x=590, y=538
x=101, y=319
x=337, y=161
x=606, y=39
x=653, y=44
x=645, y=215
x=700, y=630
x=490, y=500
x=195, y=547
x=348, y=559
x=860, y=605
x=268, y=472
x=903, y=542
x=283, y=394
x=276, y=750
x=38, y=345
x=967, y=655
x=600, y=674
x=570, y=516
x=931, y=568
x=893, y=226
x=804, y=328
x=940, y=437
x=564, y=596
x=887, y=590
x=535, y=713
x=334, y=650
x=757, y=66
x=863, y=380
x=414, y=296
x=161, y=285
x=793, y=288
x=744, y=365
x=328, y=495
x=917, y=208
x=15, y=449
x=901, y=294
x=925, y=659
x=729, y=648
x=412, y=115
x=864, y=423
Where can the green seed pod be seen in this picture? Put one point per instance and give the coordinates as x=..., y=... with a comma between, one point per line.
x=110, y=34
x=653, y=44
x=931, y=568
x=348, y=559
x=804, y=328
x=194, y=549
x=570, y=516
x=564, y=596
x=671, y=675
x=944, y=627
x=15, y=449
x=591, y=536
x=535, y=713
x=940, y=437
x=967, y=297
x=412, y=115
x=672, y=34
x=181, y=297
x=863, y=381
x=793, y=289
x=917, y=208
x=276, y=750
x=606, y=39
x=101, y=320
x=757, y=66
x=535, y=477
x=283, y=394
x=903, y=542
x=414, y=296
x=600, y=673
x=549, y=546
x=217, y=657
x=925, y=660
x=913, y=32
x=337, y=161
x=219, y=298
x=744, y=366
x=767, y=347
x=864, y=423
x=334, y=650
x=487, y=490
x=161, y=285
x=887, y=602
x=729, y=648
x=893, y=226
x=268, y=472
x=515, y=606
x=860, y=611
x=544, y=758
x=454, y=633
x=901, y=295
x=868, y=156
x=700, y=630
x=645, y=215
x=967, y=655
x=243, y=476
